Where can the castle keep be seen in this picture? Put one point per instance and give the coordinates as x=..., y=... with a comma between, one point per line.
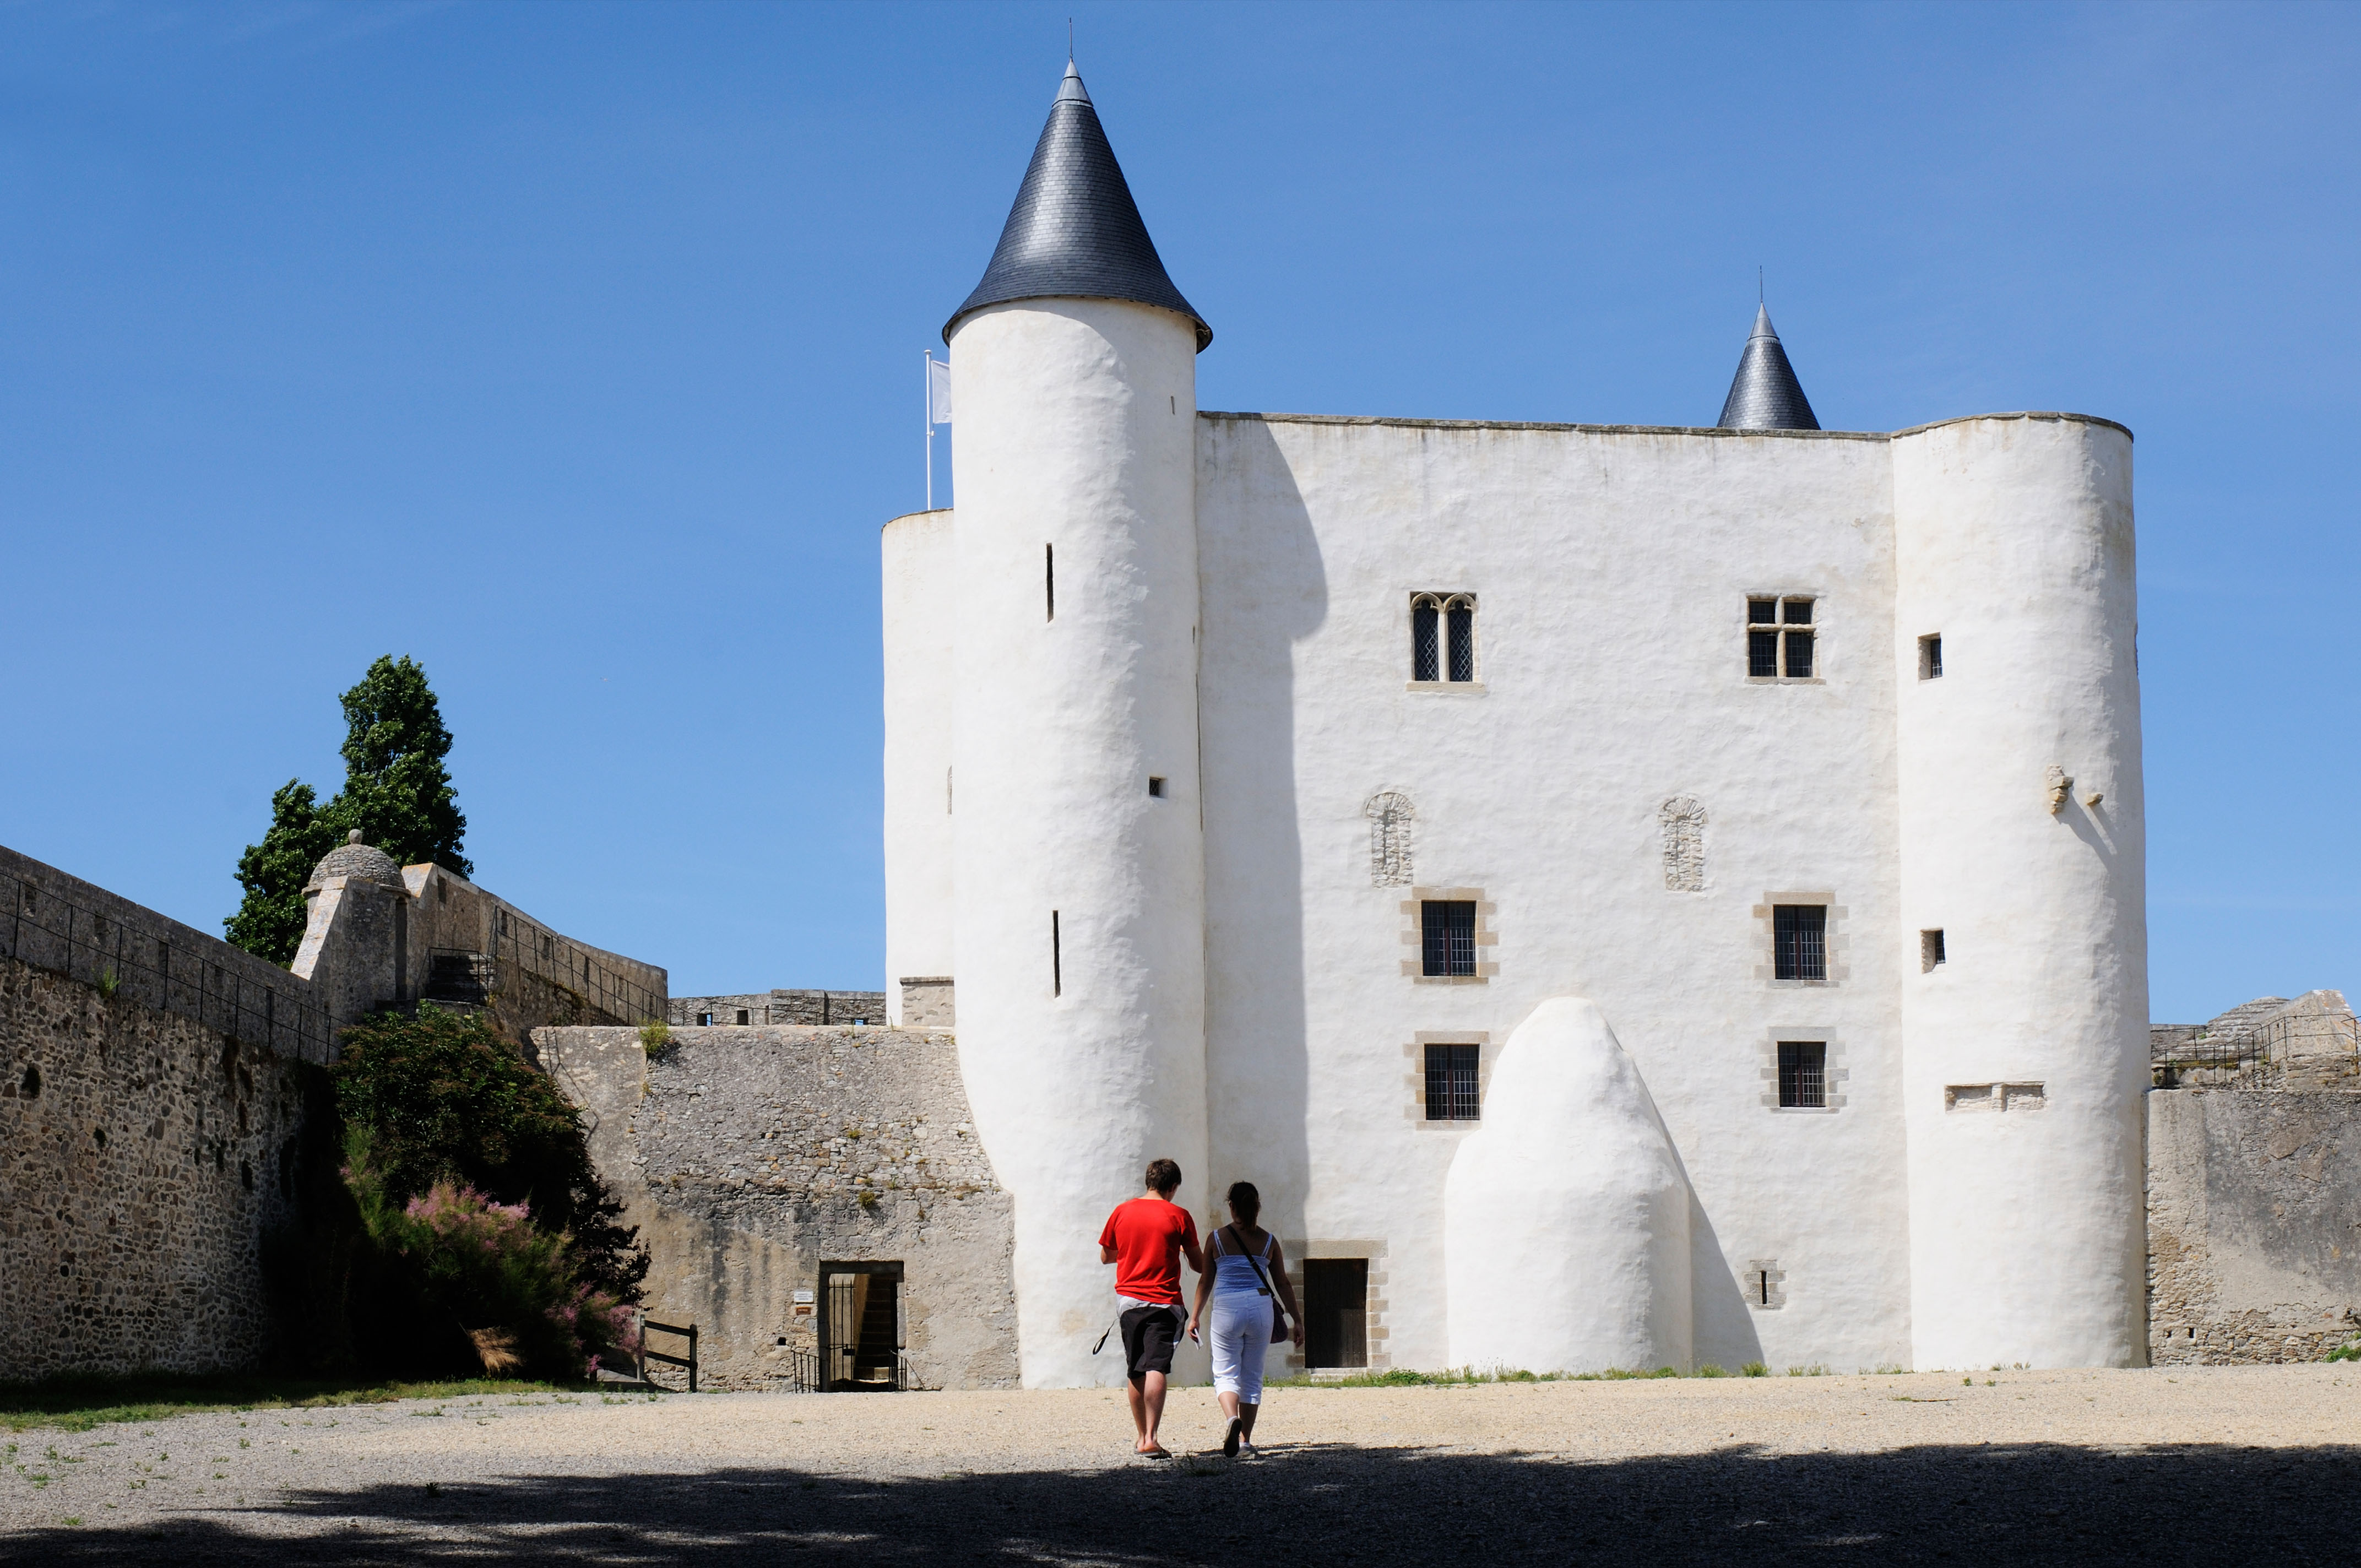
x=1623, y=893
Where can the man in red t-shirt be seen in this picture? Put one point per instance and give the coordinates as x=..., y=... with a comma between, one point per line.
x=1145, y=1240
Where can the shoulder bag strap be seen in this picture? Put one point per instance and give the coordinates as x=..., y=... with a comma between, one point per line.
x=1250, y=1257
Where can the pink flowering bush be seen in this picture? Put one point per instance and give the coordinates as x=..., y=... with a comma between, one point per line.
x=511, y=1287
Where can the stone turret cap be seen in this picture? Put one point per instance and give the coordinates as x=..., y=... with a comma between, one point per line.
x=1075, y=233
x=355, y=859
x=1765, y=395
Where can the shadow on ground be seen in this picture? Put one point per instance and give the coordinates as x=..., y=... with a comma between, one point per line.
x=2033, y=1503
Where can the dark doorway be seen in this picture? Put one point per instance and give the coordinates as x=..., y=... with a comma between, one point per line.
x=1335, y=1311
x=860, y=1327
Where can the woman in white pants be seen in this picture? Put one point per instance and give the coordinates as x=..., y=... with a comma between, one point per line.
x=1248, y=1264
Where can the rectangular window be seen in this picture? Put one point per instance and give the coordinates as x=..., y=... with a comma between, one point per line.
x=1448, y=928
x=1155, y=787
x=1779, y=639
x=1335, y=1311
x=1803, y=1075
x=1050, y=581
x=1930, y=658
x=1930, y=950
x=1799, y=944
x=1451, y=1079
x=1057, y=960
x=743, y=1017
x=1462, y=619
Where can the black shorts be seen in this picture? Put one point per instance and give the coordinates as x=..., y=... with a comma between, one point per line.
x=1148, y=1335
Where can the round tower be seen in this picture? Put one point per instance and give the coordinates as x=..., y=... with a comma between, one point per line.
x=2025, y=1020
x=1078, y=858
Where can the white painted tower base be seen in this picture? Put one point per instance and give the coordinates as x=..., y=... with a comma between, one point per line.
x=1566, y=1218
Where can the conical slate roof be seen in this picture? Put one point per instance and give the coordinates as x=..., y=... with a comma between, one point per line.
x=1765, y=395
x=1075, y=232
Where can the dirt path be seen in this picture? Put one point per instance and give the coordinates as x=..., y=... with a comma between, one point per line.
x=2189, y=1465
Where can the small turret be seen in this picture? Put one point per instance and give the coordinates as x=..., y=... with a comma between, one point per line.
x=1765, y=394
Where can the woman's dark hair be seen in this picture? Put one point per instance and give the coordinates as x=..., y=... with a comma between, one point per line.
x=1244, y=1198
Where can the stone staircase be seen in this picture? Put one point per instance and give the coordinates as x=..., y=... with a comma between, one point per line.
x=461, y=980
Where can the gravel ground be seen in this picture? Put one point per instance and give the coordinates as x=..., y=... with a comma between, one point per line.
x=2219, y=1465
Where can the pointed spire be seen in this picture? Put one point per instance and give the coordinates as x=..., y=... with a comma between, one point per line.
x=1075, y=233
x=1765, y=395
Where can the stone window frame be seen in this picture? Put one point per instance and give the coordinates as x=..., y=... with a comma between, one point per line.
x=1838, y=936
x=2021, y=1096
x=1414, y=934
x=1815, y=598
x=1444, y=600
x=1378, y=1331
x=1415, y=1081
x=1758, y=1272
x=1837, y=1071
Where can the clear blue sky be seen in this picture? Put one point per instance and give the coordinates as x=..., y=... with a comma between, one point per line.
x=573, y=349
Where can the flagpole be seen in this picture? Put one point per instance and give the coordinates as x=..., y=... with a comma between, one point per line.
x=926, y=388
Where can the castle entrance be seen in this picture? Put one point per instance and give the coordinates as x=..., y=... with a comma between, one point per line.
x=860, y=1327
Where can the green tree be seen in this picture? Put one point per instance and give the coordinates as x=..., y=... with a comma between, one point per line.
x=269, y=922
x=397, y=792
x=441, y=1097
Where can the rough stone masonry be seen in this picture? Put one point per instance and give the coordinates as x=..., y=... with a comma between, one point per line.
x=749, y=1158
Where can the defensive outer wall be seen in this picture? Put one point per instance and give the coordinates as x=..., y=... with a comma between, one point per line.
x=750, y=1157
x=153, y=1086
x=159, y=1089
x=2254, y=1184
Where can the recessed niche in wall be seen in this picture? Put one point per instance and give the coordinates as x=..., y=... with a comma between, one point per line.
x=1994, y=1097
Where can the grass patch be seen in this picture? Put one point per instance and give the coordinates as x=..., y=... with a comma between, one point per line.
x=79, y=1403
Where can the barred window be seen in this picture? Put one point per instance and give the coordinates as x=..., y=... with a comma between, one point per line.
x=1448, y=927
x=1803, y=1075
x=1451, y=1083
x=1930, y=658
x=1443, y=637
x=1800, y=941
x=1779, y=639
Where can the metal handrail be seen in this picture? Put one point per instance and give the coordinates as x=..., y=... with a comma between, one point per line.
x=545, y=955
x=50, y=929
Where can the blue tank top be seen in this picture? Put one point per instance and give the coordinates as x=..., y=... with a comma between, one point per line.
x=1234, y=1272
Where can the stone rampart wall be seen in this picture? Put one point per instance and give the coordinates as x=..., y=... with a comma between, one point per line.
x=2254, y=1225
x=144, y=1158
x=749, y=1156
x=830, y=1007
x=52, y=921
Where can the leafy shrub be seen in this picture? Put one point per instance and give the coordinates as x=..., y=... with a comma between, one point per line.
x=1754, y=1369
x=509, y=1285
x=441, y=1098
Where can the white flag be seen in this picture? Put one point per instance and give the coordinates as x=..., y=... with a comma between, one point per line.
x=938, y=391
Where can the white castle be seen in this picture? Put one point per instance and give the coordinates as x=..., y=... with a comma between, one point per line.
x=1303, y=797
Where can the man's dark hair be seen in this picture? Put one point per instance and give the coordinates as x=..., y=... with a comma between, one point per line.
x=1163, y=1177
x=1246, y=1199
